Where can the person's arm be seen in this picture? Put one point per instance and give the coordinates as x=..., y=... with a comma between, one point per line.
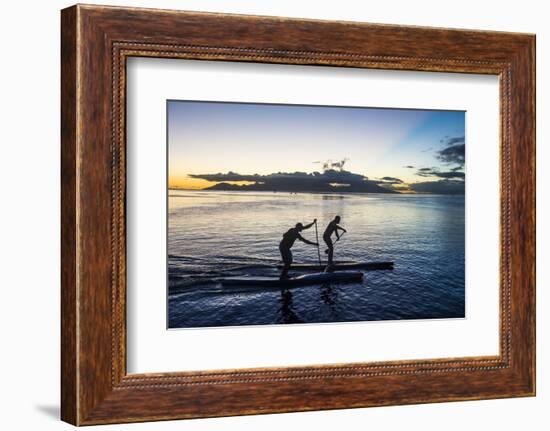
x=341, y=228
x=307, y=226
x=301, y=238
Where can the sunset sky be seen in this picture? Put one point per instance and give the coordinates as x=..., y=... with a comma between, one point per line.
x=414, y=146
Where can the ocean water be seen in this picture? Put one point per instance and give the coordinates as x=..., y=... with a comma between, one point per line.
x=218, y=234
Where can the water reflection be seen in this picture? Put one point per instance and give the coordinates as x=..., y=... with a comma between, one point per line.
x=287, y=313
x=224, y=234
x=329, y=295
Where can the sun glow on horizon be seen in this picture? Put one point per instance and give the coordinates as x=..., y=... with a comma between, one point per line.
x=189, y=183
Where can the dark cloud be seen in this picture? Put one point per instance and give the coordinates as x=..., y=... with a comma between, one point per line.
x=452, y=140
x=434, y=172
x=447, y=182
x=327, y=176
x=453, y=155
x=444, y=187
x=329, y=180
x=229, y=176
x=451, y=174
x=409, y=167
x=391, y=180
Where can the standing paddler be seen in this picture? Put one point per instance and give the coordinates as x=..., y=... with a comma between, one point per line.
x=333, y=227
x=289, y=238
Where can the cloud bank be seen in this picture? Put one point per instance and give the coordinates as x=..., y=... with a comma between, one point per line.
x=435, y=172
x=451, y=181
x=447, y=140
x=438, y=181
x=454, y=154
x=330, y=180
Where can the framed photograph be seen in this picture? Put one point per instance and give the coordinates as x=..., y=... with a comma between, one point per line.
x=264, y=215
x=229, y=267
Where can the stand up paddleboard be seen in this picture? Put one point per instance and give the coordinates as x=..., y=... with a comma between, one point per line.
x=301, y=280
x=367, y=266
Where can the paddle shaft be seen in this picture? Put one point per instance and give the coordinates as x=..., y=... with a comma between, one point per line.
x=317, y=236
x=337, y=239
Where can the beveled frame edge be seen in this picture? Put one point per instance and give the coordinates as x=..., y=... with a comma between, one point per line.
x=96, y=41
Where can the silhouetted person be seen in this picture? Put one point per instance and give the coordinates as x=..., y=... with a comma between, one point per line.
x=289, y=238
x=332, y=227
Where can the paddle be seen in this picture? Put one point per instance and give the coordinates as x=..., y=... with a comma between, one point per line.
x=317, y=236
x=337, y=239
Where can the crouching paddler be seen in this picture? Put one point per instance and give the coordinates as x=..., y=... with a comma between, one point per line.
x=289, y=238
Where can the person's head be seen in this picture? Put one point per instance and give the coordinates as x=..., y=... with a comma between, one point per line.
x=299, y=227
x=337, y=219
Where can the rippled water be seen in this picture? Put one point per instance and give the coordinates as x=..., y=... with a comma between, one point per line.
x=218, y=234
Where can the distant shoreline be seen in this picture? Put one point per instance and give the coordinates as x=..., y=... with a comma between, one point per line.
x=208, y=190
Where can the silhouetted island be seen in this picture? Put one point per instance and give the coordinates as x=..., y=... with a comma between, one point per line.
x=336, y=181
x=367, y=188
x=295, y=182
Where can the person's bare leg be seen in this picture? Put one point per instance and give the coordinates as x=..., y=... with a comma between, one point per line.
x=330, y=252
x=284, y=271
x=287, y=262
x=330, y=265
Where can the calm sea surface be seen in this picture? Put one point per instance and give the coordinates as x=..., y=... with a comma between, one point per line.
x=219, y=234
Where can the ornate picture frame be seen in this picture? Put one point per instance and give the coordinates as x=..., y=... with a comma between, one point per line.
x=96, y=41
